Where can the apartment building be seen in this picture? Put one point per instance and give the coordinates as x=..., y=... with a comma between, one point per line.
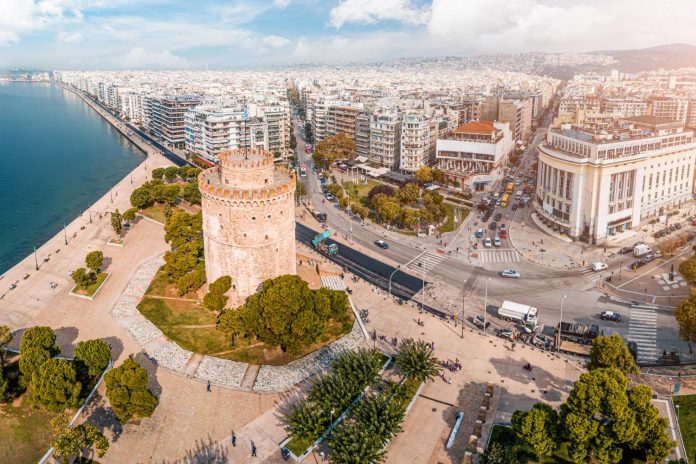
x=342, y=119
x=276, y=114
x=595, y=184
x=625, y=107
x=212, y=129
x=362, y=135
x=473, y=156
x=675, y=109
x=165, y=117
x=385, y=140
x=519, y=114
x=418, y=139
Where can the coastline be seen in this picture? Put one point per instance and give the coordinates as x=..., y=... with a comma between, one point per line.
x=77, y=237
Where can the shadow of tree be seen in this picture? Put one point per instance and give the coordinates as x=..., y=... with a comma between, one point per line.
x=65, y=337
x=100, y=415
x=116, y=346
x=205, y=451
x=151, y=368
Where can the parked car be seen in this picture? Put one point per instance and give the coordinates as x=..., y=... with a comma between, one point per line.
x=479, y=233
x=382, y=244
x=510, y=273
x=330, y=197
x=497, y=242
x=610, y=316
x=479, y=322
x=498, y=217
x=493, y=225
x=503, y=232
x=514, y=206
x=599, y=266
x=487, y=242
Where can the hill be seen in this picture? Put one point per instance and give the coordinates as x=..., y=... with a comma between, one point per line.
x=669, y=56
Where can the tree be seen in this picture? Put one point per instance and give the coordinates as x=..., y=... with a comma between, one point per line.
x=386, y=208
x=612, y=352
x=70, y=442
x=305, y=421
x=293, y=142
x=158, y=173
x=215, y=300
x=499, y=454
x=31, y=360
x=381, y=415
x=438, y=176
x=538, y=427
x=5, y=338
x=171, y=172
x=117, y=222
x=183, y=227
x=141, y=197
x=408, y=194
x=82, y=278
x=94, y=260
x=183, y=260
x=129, y=214
x=191, y=193
x=424, y=174
x=54, y=385
x=300, y=189
x=688, y=269
x=340, y=146
x=192, y=281
x=4, y=386
x=685, y=313
x=351, y=443
x=381, y=188
x=40, y=337
x=415, y=359
x=126, y=389
x=359, y=210
x=410, y=217
x=93, y=355
x=343, y=202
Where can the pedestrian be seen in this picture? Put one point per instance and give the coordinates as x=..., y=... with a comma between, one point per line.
x=234, y=439
x=208, y=386
x=321, y=455
x=253, y=450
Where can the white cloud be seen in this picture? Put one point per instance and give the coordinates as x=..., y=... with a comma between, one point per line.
x=70, y=37
x=373, y=11
x=282, y=3
x=139, y=58
x=18, y=17
x=275, y=41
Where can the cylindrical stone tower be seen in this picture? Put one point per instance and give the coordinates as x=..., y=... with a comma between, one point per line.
x=248, y=220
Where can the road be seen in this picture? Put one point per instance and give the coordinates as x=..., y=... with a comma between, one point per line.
x=540, y=286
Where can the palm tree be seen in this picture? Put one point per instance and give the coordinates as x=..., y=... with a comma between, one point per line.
x=415, y=360
x=352, y=443
x=305, y=422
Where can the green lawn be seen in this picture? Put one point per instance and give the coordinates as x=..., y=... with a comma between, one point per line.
x=25, y=433
x=156, y=212
x=91, y=290
x=297, y=446
x=450, y=225
x=362, y=189
x=687, y=423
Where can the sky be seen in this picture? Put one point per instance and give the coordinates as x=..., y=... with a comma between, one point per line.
x=237, y=34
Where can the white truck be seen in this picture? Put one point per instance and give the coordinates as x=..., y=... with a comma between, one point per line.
x=641, y=249
x=522, y=314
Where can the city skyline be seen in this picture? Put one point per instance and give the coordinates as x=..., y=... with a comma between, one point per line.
x=160, y=34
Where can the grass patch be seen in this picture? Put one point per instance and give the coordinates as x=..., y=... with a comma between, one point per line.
x=297, y=446
x=450, y=225
x=25, y=433
x=91, y=289
x=687, y=423
x=358, y=191
x=161, y=285
x=156, y=212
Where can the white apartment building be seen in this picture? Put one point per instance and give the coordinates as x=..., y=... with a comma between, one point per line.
x=473, y=156
x=212, y=129
x=276, y=114
x=418, y=139
x=625, y=107
x=593, y=185
x=676, y=109
x=385, y=139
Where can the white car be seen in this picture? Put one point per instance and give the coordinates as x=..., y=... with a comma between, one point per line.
x=599, y=266
x=487, y=242
x=510, y=273
x=497, y=242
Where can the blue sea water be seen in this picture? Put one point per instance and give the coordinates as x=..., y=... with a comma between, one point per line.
x=57, y=156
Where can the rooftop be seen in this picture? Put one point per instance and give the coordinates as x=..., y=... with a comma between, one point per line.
x=476, y=127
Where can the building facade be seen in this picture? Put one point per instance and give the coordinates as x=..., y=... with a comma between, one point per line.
x=418, y=139
x=385, y=140
x=165, y=118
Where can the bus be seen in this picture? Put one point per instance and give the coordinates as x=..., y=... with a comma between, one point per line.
x=510, y=187
x=303, y=170
x=308, y=149
x=504, y=201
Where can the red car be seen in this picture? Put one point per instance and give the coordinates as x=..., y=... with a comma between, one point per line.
x=503, y=233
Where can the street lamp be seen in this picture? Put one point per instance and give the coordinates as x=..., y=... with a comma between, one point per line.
x=485, y=306
x=422, y=285
x=36, y=261
x=65, y=234
x=558, y=348
x=392, y=275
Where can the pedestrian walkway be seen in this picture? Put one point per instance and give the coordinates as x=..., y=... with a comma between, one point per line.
x=642, y=329
x=426, y=260
x=503, y=255
x=586, y=270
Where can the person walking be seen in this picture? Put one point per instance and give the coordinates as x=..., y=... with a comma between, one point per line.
x=208, y=386
x=253, y=450
x=234, y=440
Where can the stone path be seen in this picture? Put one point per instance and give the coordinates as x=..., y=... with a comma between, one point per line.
x=250, y=377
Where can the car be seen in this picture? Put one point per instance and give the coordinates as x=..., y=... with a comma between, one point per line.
x=599, y=266
x=493, y=225
x=479, y=233
x=506, y=333
x=610, y=316
x=678, y=225
x=503, y=232
x=497, y=242
x=479, y=322
x=382, y=244
x=517, y=182
x=498, y=217
x=330, y=197
x=511, y=273
x=487, y=242
x=514, y=206
x=497, y=202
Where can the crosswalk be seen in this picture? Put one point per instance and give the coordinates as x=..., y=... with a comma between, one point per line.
x=503, y=255
x=586, y=271
x=642, y=329
x=427, y=260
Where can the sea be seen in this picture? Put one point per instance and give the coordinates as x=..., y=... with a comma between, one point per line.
x=57, y=156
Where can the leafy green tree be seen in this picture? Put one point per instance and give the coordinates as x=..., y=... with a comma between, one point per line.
x=424, y=174
x=380, y=415
x=5, y=338
x=94, y=260
x=344, y=202
x=300, y=189
x=410, y=217
x=385, y=189
x=332, y=148
x=359, y=210
x=215, y=299
x=71, y=442
x=183, y=260
x=94, y=355
x=192, y=281
x=129, y=214
x=166, y=194
x=438, y=176
x=612, y=352
x=141, y=197
x=32, y=358
x=352, y=444
x=82, y=278
x=538, y=427
x=191, y=193
x=293, y=142
x=386, y=208
x=183, y=227
x=685, y=313
x=40, y=337
x=117, y=222
x=127, y=391
x=415, y=360
x=4, y=387
x=687, y=268
x=499, y=454
x=305, y=422
x=171, y=172
x=408, y=194
x=158, y=173
x=54, y=385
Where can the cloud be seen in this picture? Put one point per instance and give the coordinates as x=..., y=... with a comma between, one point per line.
x=281, y=3
x=373, y=11
x=241, y=11
x=139, y=58
x=25, y=16
x=70, y=37
x=275, y=41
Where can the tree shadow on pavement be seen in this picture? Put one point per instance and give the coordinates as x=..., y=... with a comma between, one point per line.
x=116, y=346
x=65, y=336
x=103, y=418
x=151, y=368
x=205, y=451
x=550, y=387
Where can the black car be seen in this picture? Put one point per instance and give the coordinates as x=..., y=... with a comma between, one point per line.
x=493, y=225
x=610, y=316
x=498, y=216
x=514, y=206
x=382, y=244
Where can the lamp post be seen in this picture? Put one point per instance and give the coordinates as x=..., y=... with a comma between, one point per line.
x=422, y=285
x=392, y=275
x=89, y=209
x=560, y=321
x=36, y=261
x=485, y=306
x=111, y=194
x=65, y=234
x=463, y=300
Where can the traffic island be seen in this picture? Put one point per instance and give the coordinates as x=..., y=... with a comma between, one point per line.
x=90, y=292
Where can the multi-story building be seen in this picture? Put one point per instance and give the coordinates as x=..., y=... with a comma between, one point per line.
x=362, y=134
x=625, y=107
x=595, y=184
x=385, y=139
x=418, y=139
x=213, y=129
x=165, y=118
x=675, y=109
x=518, y=113
x=342, y=119
x=473, y=156
x=276, y=114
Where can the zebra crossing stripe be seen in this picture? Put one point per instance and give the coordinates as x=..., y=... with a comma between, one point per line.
x=642, y=329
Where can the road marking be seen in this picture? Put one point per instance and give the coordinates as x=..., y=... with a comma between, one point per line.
x=426, y=260
x=508, y=255
x=642, y=329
